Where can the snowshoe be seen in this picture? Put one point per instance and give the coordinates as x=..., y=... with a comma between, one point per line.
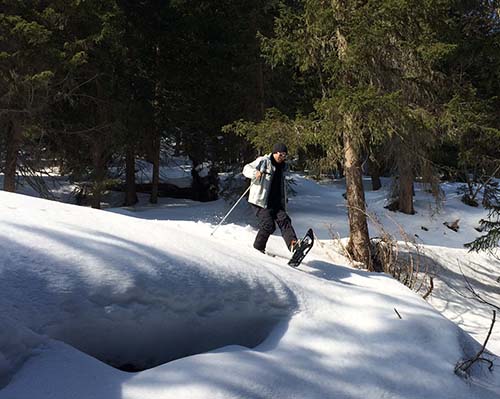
x=302, y=249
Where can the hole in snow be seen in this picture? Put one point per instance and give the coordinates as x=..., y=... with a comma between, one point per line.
x=130, y=304
x=135, y=307
x=135, y=337
x=135, y=345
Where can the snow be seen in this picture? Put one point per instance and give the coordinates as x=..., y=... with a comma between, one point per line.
x=174, y=170
x=191, y=315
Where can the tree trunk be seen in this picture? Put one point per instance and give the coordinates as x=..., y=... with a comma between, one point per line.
x=374, y=171
x=155, y=131
x=257, y=98
x=196, y=186
x=177, y=148
x=376, y=182
x=99, y=165
x=359, y=239
x=405, y=195
x=259, y=80
x=13, y=146
x=260, y=107
x=130, y=189
x=156, y=168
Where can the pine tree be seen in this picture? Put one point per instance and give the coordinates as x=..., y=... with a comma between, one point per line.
x=314, y=35
x=373, y=81
x=476, y=120
x=472, y=115
x=491, y=240
x=87, y=120
x=28, y=60
x=381, y=69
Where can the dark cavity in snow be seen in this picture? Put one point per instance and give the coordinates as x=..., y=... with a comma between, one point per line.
x=136, y=337
x=135, y=317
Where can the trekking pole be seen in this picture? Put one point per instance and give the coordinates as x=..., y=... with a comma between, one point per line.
x=234, y=206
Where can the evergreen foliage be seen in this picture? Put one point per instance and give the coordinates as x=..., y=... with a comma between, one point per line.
x=390, y=76
x=85, y=82
x=411, y=86
x=28, y=62
x=491, y=240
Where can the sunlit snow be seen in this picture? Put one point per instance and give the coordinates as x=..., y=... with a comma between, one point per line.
x=183, y=314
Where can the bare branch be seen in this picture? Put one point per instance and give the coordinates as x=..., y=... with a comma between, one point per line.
x=431, y=287
x=466, y=365
x=474, y=293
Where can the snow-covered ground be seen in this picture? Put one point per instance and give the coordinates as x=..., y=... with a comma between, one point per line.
x=173, y=170
x=142, y=286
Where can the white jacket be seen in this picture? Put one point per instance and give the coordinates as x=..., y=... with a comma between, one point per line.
x=259, y=189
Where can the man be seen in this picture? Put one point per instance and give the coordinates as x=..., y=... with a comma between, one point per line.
x=268, y=197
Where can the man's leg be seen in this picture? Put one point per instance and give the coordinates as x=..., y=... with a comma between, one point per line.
x=285, y=225
x=266, y=228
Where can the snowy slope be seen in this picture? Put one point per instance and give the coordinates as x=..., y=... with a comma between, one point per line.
x=135, y=290
x=323, y=207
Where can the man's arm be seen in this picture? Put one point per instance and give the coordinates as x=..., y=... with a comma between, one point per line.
x=251, y=170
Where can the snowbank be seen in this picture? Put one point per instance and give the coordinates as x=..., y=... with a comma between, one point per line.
x=17, y=344
x=137, y=292
x=130, y=293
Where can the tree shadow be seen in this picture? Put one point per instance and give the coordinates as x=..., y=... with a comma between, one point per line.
x=137, y=306
x=331, y=357
x=332, y=272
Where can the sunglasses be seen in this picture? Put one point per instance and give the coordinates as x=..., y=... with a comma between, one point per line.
x=282, y=154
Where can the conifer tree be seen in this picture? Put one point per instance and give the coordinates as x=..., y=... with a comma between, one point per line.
x=472, y=115
x=88, y=118
x=382, y=70
x=28, y=61
x=491, y=240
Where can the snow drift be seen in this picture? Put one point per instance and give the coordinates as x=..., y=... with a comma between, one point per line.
x=137, y=293
x=111, y=289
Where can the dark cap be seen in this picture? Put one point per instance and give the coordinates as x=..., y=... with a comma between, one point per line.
x=279, y=147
